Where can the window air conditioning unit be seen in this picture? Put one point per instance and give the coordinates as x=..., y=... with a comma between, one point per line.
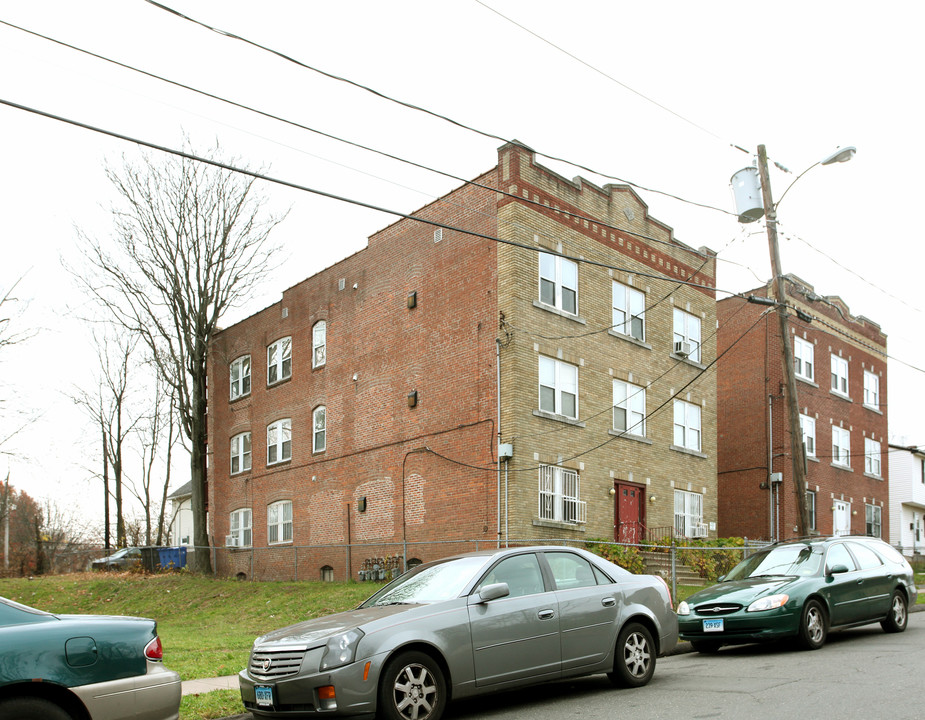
x=231, y=541
x=699, y=530
x=682, y=348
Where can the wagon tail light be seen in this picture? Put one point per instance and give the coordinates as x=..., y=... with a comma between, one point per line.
x=154, y=650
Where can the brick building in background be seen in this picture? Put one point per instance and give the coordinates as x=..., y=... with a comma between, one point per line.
x=362, y=414
x=841, y=370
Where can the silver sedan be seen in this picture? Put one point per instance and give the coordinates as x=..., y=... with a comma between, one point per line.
x=463, y=626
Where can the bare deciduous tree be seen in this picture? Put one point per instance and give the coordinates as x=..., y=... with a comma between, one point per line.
x=190, y=242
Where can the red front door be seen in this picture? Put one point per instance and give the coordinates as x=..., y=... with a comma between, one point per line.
x=628, y=511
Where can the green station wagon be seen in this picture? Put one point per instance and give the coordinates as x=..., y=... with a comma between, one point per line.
x=802, y=589
x=82, y=667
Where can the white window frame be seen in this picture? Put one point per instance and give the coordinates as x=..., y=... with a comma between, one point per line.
x=558, y=283
x=279, y=360
x=803, y=359
x=279, y=441
x=872, y=463
x=839, y=375
x=319, y=343
x=319, y=429
x=279, y=522
x=629, y=402
x=873, y=516
x=871, y=390
x=239, y=373
x=241, y=453
x=688, y=426
x=808, y=430
x=688, y=514
x=560, y=495
x=240, y=526
x=629, y=311
x=811, y=508
x=841, y=446
x=562, y=379
x=686, y=328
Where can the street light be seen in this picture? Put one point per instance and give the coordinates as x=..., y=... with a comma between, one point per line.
x=749, y=212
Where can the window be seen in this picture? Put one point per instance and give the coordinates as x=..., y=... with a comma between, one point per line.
x=279, y=522
x=871, y=390
x=629, y=408
x=559, y=283
x=808, y=428
x=319, y=343
x=841, y=446
x=327, y=573
x=240, y=377
x=871, y=457
x=559, y=495
x=279, y=360
x=279, y=441
x=558, y=388
x=240, y=453
x=688, y=514
x=687, y=425
x=839, y=375
x=839, y=555
x=319, y=423
x=686, y=335
x=803, y=358
x=521, y=573
x=240, y=527
x=629, y=311
x=570, y=571
x=872, y=525
x=811, y=509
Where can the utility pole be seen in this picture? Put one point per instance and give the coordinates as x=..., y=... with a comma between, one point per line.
x=793, y=409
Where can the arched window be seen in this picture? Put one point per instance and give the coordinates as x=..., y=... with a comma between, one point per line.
x=279, y=522
x=327, y=574
x=279, y=441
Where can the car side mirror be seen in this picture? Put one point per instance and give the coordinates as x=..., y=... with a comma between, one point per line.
x=838, y=569
x=494, y=591
x=720, y=578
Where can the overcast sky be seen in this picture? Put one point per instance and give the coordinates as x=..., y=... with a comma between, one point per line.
x=654, y=93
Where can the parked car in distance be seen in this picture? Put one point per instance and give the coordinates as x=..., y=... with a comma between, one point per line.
x=802, y=589
x=124, y=559
x=80, y=667
x=462, y=626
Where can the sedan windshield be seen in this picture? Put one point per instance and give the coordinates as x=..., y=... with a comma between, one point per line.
x=787, y=560
x=429, y=583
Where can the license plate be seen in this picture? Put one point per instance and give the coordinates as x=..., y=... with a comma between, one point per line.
x=264, y=695
x=713, y=625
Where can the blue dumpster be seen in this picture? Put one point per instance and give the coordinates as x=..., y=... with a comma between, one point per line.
x=172, y=558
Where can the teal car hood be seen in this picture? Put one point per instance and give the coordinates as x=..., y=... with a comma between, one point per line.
x=743, y=592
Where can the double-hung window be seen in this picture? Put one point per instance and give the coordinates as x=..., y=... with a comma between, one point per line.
x=240, y=453
x=319, y=429
x=871, y=457
x=687, y=425
x=240, y=372
x=871, y=390
x=629, y=311
x=559, y=283
x=811, y=508
x=841, y=446
x=803, y=359
x=279, y=441
x=319, y=343
x=279, y=360
x=558, y=387
x=240, y=527
x=839, y=375
x=686, y=337
x=559, y=495
x=629, y=408
x=873, y=520
x=279, y=522
x=688, y=514
x=808, y=429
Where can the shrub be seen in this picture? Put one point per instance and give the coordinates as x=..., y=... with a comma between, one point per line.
x=626, y=557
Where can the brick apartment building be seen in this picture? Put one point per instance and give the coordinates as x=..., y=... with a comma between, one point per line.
x=367, y=408
x=841, y=370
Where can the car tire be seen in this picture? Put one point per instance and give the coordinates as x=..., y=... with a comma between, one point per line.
x=814, y=626
x=32, y=708
x=898, y=617
x=412, y=687
x=634, y=658
x=707, y=647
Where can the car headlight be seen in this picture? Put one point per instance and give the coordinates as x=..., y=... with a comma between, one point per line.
x=770, y=602
x=684, y=608
x=341, y=649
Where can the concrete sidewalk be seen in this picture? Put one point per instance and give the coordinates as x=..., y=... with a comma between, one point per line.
x=197, y=687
